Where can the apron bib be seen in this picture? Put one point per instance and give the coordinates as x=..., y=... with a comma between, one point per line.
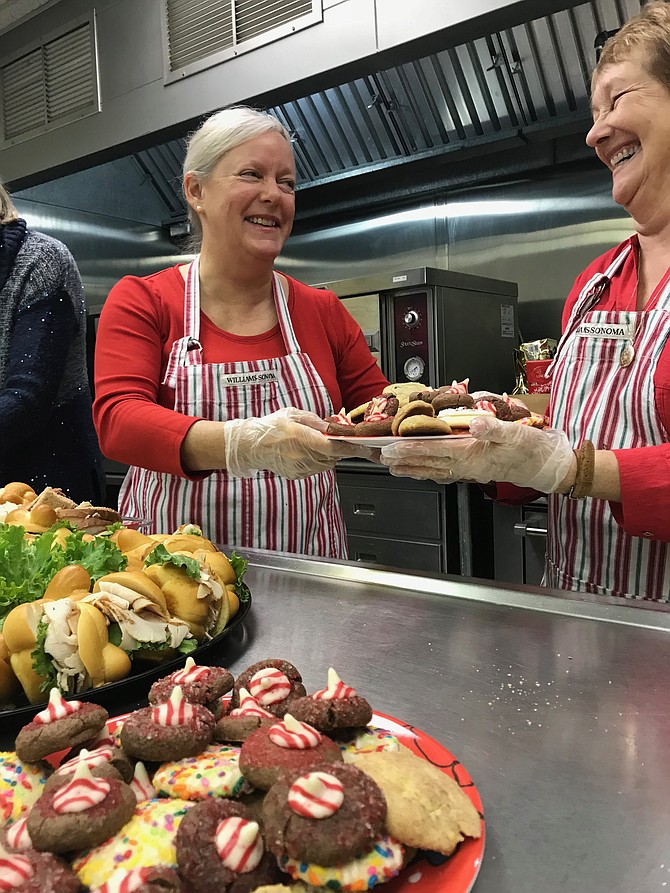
x=597, y=397
x=264, y=511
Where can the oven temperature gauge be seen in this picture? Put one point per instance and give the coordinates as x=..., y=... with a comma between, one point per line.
x=414, y=368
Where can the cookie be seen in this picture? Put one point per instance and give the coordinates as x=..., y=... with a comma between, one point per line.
x=33, y=872
x=60, y=726
x=402, y=391
x=275, y=683
x=199, y=685
x=171, y=731
x=143, y=880
x=20, y=786
x=338, y=706
x=326, y=816
x=147, y=840
x=423, y=426
x=241, y=721
x=220, y=848
x=213, y=773
x=378, y=428
x=335, y=429
x=15, y=837
x=284, y=745
x=79, y=812
x=385, y=859
x=370, y=740
x=426, y=807
x=103, y=754
x=449, y=400
x=415, y=407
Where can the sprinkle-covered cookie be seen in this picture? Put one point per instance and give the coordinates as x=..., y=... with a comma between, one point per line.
x=213, y=773
x=20, y=786
x=379, y=864
x=147, y=840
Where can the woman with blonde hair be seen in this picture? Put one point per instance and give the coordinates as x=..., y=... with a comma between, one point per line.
x=609, y=500
x=211, y=377
x=48, y=437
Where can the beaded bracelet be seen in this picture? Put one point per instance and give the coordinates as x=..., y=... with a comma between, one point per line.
x=586, y=466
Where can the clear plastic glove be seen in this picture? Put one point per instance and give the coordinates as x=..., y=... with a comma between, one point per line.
x=500, y=451
x=289, y=442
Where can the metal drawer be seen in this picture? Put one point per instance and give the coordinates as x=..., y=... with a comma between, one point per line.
x=396, y=553
x=394, y=512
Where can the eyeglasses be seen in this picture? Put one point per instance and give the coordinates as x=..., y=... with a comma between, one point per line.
x=601, y=40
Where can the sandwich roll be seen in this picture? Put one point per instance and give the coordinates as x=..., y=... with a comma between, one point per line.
x=9, y=684
x=217, y=562
x=201, y=603
x=20, y=637
x=134, y=602
x=188, y=543
x=129, y=540
x=69, y=579
x=18, y=493
x=103, y=661
x=37, y=520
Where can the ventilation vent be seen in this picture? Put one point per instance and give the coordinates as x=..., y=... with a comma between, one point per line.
x=49, y=85
x=202, y=33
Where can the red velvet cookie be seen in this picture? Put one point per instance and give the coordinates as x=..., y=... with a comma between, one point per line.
x=336, y=707
x=287, y=744
x=199, y=685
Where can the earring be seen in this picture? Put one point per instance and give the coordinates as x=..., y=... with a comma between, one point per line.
x=198, y=208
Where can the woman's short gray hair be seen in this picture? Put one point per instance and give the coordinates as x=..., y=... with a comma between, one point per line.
x=8, y=211
x=219, y=134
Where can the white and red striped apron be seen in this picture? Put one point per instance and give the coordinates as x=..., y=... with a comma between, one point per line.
x=595, y=398
x=264, y=511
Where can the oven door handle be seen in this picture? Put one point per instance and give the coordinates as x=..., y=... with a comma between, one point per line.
x=534, y=525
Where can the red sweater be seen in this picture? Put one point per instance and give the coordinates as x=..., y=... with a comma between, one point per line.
x=142, y=317
x=644, y=509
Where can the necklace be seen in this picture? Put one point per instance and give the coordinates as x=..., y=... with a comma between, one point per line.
x=627, y=354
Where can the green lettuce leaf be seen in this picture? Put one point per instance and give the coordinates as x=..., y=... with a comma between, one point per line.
x=240, y=566
x=42, y=663
x=160, y=555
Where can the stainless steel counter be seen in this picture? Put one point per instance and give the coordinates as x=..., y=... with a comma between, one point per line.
x=559, y=708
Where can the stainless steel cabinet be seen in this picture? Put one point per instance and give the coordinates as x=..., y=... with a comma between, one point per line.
x=398, y=522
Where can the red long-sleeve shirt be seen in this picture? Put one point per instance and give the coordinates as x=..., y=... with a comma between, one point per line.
x=644, y=509
x=142, y=317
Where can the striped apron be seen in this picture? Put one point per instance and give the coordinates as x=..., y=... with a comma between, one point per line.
x=264, y=511
x=595, y=398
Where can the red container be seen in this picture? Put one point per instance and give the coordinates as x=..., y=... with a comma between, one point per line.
x=536, y=377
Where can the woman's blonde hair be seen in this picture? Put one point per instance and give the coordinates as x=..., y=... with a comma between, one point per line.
x=8, y=212
x=648, y=31
x=219, y=134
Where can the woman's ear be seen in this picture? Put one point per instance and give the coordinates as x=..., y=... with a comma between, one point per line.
x=193, y=189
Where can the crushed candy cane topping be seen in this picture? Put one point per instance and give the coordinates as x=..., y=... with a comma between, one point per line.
x=249, y=706
x=58, y=708
x=293, y=734
x=239, y=844
x=336, y=690
x=269, y=685
x=80, y=794
x=175, y=711
x=317, y=795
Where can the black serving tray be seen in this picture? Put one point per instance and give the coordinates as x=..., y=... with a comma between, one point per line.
x=124, y=695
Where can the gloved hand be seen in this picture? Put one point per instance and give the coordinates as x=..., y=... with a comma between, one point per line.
x=500, y=451
x=289, y=442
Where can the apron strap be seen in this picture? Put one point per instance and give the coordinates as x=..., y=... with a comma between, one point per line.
x=187, y=351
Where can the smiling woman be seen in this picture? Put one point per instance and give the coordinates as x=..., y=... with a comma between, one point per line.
x=609, y=507
x=212, y=378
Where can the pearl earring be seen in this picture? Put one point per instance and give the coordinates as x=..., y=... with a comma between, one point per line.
x=198, y=208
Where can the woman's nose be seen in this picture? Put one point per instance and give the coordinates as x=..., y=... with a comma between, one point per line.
x=271, y=189
x=599, y=130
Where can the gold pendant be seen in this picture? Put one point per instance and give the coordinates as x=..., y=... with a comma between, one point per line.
x=627, y=354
